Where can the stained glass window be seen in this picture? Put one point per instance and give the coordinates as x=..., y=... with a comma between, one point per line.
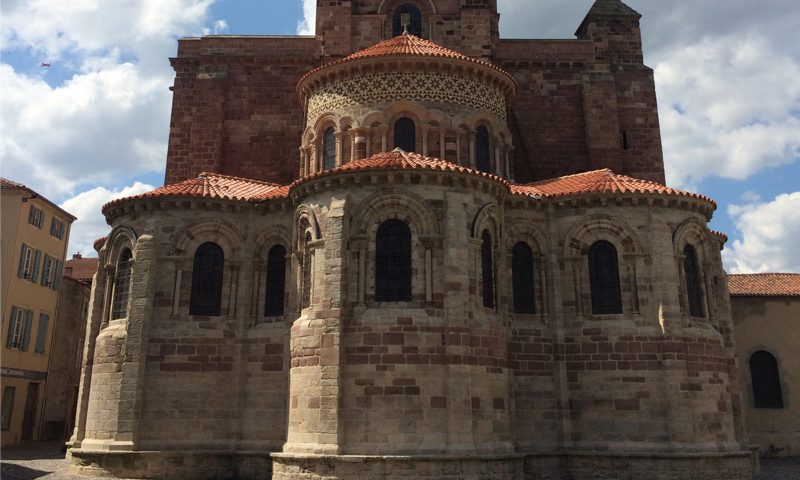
x=604, y=279
x=206, y=296
x=693, y=286
x=405, y=135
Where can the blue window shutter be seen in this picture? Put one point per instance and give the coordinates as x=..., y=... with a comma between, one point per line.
x=32, y=215
x=26, y=336
x=46, y=271
x=41, y=333
x=21, y=271
x=37, y=255
x=12, y=325
x=57, y=278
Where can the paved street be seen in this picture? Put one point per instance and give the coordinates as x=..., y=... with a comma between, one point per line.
x=45, y=461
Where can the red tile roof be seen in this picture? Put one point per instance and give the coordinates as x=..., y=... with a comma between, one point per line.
x=81, y=269
x=598, y=181
x=6, y=183
x=407, y=45
x=398, y=159
x=214, y=186
x=764, y=285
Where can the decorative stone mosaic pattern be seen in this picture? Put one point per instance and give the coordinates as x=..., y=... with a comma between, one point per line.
x=425, y=87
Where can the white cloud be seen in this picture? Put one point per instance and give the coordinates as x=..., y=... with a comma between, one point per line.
x=727, y=109
x=110, y=121
x=769, y=236
x=307, y=26
x=91, y=223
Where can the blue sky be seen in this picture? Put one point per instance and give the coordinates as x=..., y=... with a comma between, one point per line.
x=93, y=126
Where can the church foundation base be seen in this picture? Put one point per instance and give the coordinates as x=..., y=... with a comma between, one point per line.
x=666, y=466
x=355, y=467
x=196, y=465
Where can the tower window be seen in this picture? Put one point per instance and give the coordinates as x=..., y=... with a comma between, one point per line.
x=604, y=279
x=329, y=149
x=483, y=148
x=522, y=278
x=122, y=285
x=487, y=269
x=393, y=262
x=276, y=281
x=766, y=378
x=207, y=271
x=407, y=14
x=405, y=134
x=694, y=290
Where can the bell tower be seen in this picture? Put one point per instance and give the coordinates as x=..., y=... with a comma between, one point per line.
x=467, y=26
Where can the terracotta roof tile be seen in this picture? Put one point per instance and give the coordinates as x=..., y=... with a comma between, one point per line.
x=598, y=181
x=81, y=269
x=6, y=183
x=408, y=45
x=764, y=285
x=398, y=159
x=213, y=186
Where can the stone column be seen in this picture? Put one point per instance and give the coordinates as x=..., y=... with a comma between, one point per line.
x=425, y=130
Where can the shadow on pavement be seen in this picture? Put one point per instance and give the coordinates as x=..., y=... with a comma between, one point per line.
x=11, y=471
x=34, y=451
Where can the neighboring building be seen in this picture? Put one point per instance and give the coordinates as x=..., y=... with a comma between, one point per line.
x=35, y=233
x=766, y=318
x=534, y=303
x=65, y=356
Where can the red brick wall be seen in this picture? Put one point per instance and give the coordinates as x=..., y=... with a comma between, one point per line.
x=580, y=103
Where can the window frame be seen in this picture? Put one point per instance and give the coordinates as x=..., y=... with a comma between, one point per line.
x=416, y=26
x=483, y=150
x=693, y=282
x=7, y=407
x=271, y=286
x=329, y=148
x=405, y=127
x=394, y=286
x=603, y=285
x=488, y=290
x=120, y=297
x=36, y=216
x=200, y=303
x=766, y=400
x=517, y=282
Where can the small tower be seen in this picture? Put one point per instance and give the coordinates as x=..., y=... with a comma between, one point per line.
x=614, y=28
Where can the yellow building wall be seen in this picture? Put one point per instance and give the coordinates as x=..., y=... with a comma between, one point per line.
x=773, y=325
x=19, y=368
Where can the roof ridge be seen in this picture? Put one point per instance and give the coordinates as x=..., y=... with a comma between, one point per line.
x=571, y=175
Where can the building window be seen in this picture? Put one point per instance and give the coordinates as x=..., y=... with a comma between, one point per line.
x=694, y=291
x=206, y=298
x=8, y=407
x=305, y=288
x=57, y=228
x=329, y=149
x=122, y=285
x=767, y=392
x=405, y=135
x=19, y=329
x=276, y=281
x=487, y=269
x=47, y=271
x=604, y=279
x=522, y=278
x=410, y=15
x=393, y=262
x=29, y=261
x=483, y=150
x=57, y=270
x=41, y=333
x=36, y=216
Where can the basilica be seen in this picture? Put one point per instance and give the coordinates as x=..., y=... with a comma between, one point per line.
x=407, y=247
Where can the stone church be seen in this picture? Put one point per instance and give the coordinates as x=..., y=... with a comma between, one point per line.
x=406, y=247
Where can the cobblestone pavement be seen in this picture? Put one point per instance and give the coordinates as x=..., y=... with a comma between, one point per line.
x=45, y=461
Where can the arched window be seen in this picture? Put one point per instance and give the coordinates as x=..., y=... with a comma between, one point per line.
x=413, y=18
x=405, y=134
x=766, y=378
x=487, y=269
x=691, y=273
x=305, y=287
x=276, y=281
x=206, y=296
x=604, y=279
x=483, y=154
x=393, y=262
x=522, y=278
x=329, y=149
x=122, y=285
